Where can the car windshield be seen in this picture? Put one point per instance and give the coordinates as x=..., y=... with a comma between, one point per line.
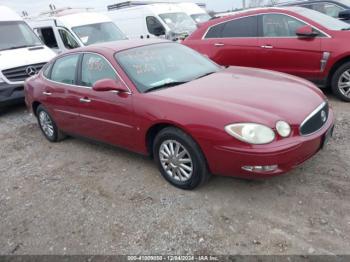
x=98, y=33
x=200, y=18
x=17, y=34
x=320, y=18
x=164, y=65
x=178, y=22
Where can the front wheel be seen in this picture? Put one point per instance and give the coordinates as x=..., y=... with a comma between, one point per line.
x=179, y=159
x=341, y=82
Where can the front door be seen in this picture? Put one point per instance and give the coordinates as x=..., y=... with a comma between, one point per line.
x=104, y=116
x=282, y=50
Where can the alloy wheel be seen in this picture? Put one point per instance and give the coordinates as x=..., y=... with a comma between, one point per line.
x=46, y=124
x=176, y=160
x=344, y=83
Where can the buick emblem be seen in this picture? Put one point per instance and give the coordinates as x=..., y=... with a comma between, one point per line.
x=323, y=116
x=31, y=70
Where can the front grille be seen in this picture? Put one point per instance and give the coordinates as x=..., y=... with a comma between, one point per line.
x=316, y=120
x=19, y=74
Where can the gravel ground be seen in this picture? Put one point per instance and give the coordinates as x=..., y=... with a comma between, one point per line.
x=77, y=197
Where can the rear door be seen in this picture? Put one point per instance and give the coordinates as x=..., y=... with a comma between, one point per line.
x=233, y=42
x=282, y=50
x=104, y=116
x=58, y=93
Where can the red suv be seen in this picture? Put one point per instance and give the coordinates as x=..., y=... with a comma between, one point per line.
x=293, y=40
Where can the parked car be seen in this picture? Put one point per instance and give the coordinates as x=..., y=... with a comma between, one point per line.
x=163, y=99
x=144, y=21
x=334, y=8
x=22, y=54
x=293, y=40
x=197, y=13
x=67, y=28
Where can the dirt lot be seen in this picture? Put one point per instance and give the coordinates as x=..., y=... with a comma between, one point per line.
x=76, y=197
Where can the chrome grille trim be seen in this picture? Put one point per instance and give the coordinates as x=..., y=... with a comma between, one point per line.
x=311, y=115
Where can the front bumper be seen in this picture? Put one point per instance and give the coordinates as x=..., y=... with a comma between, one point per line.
x=11, y=94
x=228, y=161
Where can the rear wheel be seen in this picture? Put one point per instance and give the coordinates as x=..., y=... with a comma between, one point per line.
x=341, y=82
x=180, y=159
x=48, y=125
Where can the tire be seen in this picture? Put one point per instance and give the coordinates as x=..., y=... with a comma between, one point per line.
x=189, y=156
x=342, y=75
x=48, y=125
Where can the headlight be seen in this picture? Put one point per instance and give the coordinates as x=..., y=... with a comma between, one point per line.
x=283, y=128
x=251, y=133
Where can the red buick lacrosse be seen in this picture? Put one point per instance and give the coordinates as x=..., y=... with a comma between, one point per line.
x=192, y=116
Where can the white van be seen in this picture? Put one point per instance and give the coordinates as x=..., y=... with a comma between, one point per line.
x=22, y=54
x=198, y=14
x=65, y=29
x=149, y=20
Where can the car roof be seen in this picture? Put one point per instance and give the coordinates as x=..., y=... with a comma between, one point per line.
x=118, y=46
x=302, y=2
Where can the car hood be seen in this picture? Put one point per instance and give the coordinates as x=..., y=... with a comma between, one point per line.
x=24, y=56
x=251, y=95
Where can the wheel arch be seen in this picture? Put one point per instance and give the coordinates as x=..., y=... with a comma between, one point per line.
x=335, y=67
x=35, y=106
x=157, y=127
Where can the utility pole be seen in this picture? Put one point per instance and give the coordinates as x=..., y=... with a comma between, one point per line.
x=243, y=4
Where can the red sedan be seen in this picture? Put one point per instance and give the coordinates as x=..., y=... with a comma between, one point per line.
x=292, y=40
x=195, y=118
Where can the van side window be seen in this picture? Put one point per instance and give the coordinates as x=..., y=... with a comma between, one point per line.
x=64, y=69
x=277, y=25
x=68, y=39
x=47, y=35
x=154, y=26
x=94, y=68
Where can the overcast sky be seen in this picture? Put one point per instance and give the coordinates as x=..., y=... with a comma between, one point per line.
x=35, y=6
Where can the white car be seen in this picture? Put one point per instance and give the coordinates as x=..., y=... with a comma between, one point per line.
x=22, y=55
x=198, y=14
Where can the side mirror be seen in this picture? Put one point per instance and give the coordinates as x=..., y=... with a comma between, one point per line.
x=104, y=85
x=344, y=15
x=306, y=31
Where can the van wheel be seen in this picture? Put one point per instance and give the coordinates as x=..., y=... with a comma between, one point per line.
x=48, y=125
x=179, y=159
x=341, y=82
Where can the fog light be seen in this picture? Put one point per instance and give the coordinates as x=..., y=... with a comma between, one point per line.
x=269, y=168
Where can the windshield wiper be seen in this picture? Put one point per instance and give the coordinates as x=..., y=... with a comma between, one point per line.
x=345, y=29
x=210, y=73
x=171, y=84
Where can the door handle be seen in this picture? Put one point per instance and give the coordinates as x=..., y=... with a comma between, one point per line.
x=267, y=46
x=47, y=93
x=219, y=44
x=85, y=100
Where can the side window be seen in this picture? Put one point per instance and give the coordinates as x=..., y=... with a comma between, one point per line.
x=154, y=26
x=47, y=35
x=244, y=27
x=327, y=8
x=276, y=25
x=94, y=68
x=47, y=69
x=215, y=31
x=64, y=69
x=68, y=39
